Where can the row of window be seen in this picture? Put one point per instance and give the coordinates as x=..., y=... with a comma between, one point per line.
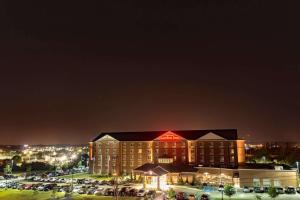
x=111, y=144
x=212, y=159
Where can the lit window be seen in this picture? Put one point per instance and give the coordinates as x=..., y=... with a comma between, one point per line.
x=256, y=182
x=232, y=159
x=140, y=151
x=166, y=145
x=222, y=159
x=232, y=151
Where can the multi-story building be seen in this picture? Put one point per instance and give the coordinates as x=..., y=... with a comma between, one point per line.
x=122, y=152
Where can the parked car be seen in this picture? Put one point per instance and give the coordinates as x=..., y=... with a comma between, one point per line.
x=80, y=181
x=279, y=190
x=290, y=190
x=21, y=186
x=298, y=190
x=124, y=191
x=205, y=197
x=76, y=188
x=109, y=192
x=91, y=190
x=37, y=178
x=2, y=178
x=191, y=197
x=258, y=190
x=99, y=192
x=247, y=189
x=2, y=185
x=132, y=192
x=14, y=185
x=181, y=196
x=151, y=194
x=40, y=188
x=35, y=186
x=28, y=187
x=141, y=193
x=266, y=189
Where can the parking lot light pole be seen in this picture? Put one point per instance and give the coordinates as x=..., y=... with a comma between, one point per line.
x=72, y=176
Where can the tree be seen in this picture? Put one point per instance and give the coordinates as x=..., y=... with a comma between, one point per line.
x=28, y=170
x=272, y=192
x=17, y=159
x=193, y=181
x=171, y=180
x=7, y=169
x=171, y=193
x=229, y=190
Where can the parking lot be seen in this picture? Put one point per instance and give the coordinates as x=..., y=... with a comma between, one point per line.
x=125, y=189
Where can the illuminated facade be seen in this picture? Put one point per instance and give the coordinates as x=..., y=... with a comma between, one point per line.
x=122, y=152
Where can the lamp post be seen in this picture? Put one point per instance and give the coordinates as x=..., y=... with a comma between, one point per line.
x=222, y=190
x=72, y=176
x=297, y=163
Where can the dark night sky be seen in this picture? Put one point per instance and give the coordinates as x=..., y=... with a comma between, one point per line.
x=70, y=70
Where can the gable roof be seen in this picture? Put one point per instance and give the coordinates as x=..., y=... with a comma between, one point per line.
x=228, y=134
x=161, y=169
x=211, y=136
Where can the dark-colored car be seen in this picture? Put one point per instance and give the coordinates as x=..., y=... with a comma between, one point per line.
x=298, y=190
x=266, y=189
x=109, y=192
x=80, y=181
x=290, y=190
x=151, y=194
x=124, y=191
x=181, y=196
x=132, y=192
x=205, y=197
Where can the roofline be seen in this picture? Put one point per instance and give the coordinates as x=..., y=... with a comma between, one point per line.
x=107, y=133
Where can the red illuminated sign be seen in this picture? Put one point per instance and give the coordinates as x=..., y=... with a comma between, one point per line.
x=169, y=136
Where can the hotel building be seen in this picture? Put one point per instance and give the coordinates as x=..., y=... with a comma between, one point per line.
x=122, y=152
